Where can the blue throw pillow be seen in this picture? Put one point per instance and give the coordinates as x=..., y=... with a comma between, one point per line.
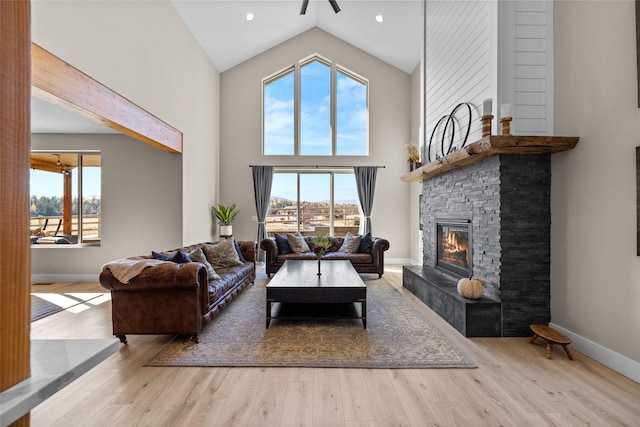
x=158, y=255
x=179, y=257
x=237, y=246
x=365, y=244
x=283, y=245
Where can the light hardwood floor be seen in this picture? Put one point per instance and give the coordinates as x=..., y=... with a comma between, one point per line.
x=515, y=385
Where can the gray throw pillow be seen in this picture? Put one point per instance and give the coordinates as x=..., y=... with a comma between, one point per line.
x=297, y=243
x=350, y=244
x=222, y=254
x=198, y=256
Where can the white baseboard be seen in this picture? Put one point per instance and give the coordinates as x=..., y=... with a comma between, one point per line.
x=619, y=363
x=49, y=278
x=397, y=261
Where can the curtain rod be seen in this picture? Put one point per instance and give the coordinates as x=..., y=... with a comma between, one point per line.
x=314, y=167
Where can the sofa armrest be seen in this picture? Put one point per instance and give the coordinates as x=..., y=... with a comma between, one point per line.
x=248, y=249
x=377, y=250
x=271, y=249
x=379, y=245
x=167, y=275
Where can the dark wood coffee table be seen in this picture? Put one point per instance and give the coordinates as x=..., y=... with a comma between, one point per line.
x=297, y=282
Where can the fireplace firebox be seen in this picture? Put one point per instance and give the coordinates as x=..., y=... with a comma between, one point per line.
x=454, y=246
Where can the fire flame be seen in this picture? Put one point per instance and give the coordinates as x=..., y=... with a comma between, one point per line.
x=454, y=249
x=451, y=243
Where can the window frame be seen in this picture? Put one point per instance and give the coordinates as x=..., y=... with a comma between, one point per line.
x=332, y=174
x=79, y=173
x=297, y=129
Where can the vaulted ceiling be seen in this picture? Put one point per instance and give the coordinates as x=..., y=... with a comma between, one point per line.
x=222, y=29
x=228, y=38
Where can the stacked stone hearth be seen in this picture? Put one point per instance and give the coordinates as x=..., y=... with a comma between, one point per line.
x=507, y=200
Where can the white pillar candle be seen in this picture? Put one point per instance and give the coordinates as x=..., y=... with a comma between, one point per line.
x=486, y=107
x=506, y=110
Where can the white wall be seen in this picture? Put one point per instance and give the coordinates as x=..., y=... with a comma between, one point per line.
x=141, y=206
x=595, y=272
x=485, y=49
x=389, y=132
x=144, y=51
x=459, y=66
x=525, y=65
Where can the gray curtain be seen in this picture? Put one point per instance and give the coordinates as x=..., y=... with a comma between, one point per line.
x=366, y=183
x=262, y=179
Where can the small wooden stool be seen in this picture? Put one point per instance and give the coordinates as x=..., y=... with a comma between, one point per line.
x=552, y=337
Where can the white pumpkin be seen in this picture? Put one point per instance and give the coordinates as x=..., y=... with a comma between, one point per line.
x=471, y=288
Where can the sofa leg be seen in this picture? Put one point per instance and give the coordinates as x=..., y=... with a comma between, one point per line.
x=195, y=339
x=122, y=338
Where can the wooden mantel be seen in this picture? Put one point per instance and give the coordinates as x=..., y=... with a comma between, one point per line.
x=490, y=146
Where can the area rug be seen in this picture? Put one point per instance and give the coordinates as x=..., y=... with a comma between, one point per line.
x=42, y=308
x=398, y=335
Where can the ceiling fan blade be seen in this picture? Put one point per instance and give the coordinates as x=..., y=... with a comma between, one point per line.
x=303, y=9
x=334, y=5
x=305, y=3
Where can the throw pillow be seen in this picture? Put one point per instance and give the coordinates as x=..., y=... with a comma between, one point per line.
x=365, y=244
x=350, y=244
x=222, y=254
x=239, y=251
x=297, y=243
x=283, y=245
x=160, y=256
x=198, y=256
x=179, y=257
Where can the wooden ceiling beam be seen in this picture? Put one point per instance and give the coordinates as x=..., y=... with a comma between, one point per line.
x=45, y=165
x=59, y=83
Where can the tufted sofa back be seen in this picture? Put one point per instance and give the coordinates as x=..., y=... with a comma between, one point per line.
x=336, y=242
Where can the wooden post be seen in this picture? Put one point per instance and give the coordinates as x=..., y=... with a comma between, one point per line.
x=15, y=252
x=506, y=125
x=67, y=205
x=486, y=125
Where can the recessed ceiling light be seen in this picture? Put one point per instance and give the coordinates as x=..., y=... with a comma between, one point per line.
x=249, y=16
x=379, y=18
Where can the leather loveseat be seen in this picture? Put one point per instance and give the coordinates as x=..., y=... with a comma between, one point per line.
x=175, y=298
x=364, y=262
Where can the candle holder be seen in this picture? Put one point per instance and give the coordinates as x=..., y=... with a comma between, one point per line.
x=506, y=125
x=486, y=125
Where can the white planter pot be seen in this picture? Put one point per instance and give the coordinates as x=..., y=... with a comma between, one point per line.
x=226, y=230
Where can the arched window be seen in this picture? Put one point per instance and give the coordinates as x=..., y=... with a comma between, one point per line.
x=315, y=108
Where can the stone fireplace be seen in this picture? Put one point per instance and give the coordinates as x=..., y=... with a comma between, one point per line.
x=499, y=208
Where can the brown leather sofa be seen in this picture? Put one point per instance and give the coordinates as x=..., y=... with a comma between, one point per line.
x=172, y=298
x=362, y=262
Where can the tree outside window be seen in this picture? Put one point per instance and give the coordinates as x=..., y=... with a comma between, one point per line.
x=65, y=204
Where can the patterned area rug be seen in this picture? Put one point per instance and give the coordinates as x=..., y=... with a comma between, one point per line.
x=397, y=336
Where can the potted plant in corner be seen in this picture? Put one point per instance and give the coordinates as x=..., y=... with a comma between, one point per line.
x=225, y=215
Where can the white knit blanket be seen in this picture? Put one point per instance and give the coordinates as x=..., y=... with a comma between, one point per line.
x=126, y=269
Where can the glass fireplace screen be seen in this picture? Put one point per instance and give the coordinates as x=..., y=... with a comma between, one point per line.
x=453, y=240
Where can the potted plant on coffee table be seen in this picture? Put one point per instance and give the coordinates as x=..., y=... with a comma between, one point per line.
x=320, y=245
x=225, y=215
